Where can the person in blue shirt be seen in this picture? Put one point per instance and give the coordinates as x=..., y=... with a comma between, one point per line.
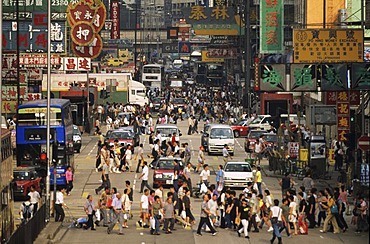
x=220, y=176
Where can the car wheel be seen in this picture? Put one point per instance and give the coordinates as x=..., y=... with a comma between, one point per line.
x=236, y=133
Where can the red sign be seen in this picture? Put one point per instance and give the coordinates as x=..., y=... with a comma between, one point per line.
x=331, y=97
x=364, y=143
x=343, y=114
x=81, y=11
x=100, y=18
x=91, y=51
x=82, y=33
x=83, y=84
x=114, y=15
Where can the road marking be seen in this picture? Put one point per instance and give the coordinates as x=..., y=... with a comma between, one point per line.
x=237, y=142
x=88, y=157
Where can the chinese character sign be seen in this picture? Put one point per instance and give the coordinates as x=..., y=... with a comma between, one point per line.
x=272, y=26
x=303, y=77
x=343, y=114
x=272, y=78
x=360, y=74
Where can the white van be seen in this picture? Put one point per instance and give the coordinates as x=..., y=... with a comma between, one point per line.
x=217, y=136
x=137, y=93
x=167, y=130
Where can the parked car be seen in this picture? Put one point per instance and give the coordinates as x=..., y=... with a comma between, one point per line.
x=241, y=127
x=77, y=139
x=122, y=135
x=163, y=171
x=23, y=179
x=262, y=122
x=237, y=174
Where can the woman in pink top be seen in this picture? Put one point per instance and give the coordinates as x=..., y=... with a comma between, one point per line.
x=343, y=194
x=69, y=179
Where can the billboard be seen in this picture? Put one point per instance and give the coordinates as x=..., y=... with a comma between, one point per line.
x=218, y=21
x=272, y=26
x=114, y=15
x=328, y=45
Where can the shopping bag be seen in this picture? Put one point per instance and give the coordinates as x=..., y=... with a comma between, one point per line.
x=203, y=188
x=97, y=215
x=258, y=219
x=152, y=223
x=302, y=225
x=207, y=228
x=183, y=214
x=237, y=221
x=219, y=188
x=125, y=216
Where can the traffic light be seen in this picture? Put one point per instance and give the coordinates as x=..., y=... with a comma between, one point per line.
x=103, y=94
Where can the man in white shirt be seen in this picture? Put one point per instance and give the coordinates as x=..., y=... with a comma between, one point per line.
x=205, y=175
x=144, y=177
x=59, y=204
x=225, y=153
x=213, y=208
x=35, y=198
x=128, y=158
x=144, y=208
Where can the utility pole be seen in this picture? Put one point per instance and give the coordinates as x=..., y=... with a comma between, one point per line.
x=247, y=24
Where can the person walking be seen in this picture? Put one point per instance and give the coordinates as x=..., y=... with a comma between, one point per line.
x=204, y=217
x=69, y=179
x=244, y=215
x=286, y=183
x=26, y=210
x=205, y=175
x=187, y=206
x=35, y=199
x=332, y=209
x=169, y=217
x=104, y=177
x=258, y=150
x=156, y=215
x=176, y=173
x=118, y=214
x=59, y=204
x=187, y=176
x=276, y=218
x=220, y=178
x=140, y=157
x=102, y=205
x=258, y=180
x=201, y=158
x=90, y=210
x=144, y=177
x=225, y=153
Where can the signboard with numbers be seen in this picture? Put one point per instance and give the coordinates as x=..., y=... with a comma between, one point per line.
x=28, y=8
x=271, y=28
x=328, y=45
x=343, y=115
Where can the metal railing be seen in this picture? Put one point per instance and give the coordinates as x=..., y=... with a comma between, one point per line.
x=27, y=233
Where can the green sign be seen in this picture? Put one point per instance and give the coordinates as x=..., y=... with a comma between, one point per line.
x=272, y=77
x=360, y=74
x=272, y=26
x=303, y=77
x=27, y=7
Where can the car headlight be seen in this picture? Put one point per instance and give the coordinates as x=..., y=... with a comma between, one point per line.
x=227, y=178
x=159, y=176
x=211, y=144
x=78, y=141
x=248, y=179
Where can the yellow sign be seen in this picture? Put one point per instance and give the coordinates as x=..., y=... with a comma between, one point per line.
x=328, y=45
x=331, y=157
x=38, y=110
x=205, y=58
x=303, y=154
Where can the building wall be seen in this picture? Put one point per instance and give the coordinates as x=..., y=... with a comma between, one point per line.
x=315, y=11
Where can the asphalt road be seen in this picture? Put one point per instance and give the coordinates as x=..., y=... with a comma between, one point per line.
x=86, y=180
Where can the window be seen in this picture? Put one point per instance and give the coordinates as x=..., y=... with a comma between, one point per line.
x=222, y=133
x=133, y=92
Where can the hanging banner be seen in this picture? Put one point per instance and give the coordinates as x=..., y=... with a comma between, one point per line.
x=343, y=114
x=334, y=77
x=272, y=26
x=114, y=15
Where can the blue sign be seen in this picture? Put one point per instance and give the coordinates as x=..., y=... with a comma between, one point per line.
x=185, y=47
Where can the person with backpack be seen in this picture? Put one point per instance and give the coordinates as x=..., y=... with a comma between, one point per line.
x=332, y=210
x=26, y=210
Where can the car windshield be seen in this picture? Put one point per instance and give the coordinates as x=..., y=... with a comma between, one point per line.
x=238, y=168
x=222, y=133
x=179, y=100
x=168, y=164
x=241, y=122
x=256, y=133
x=257, y=120
x=168, y=131
x=76, y=131
x=120, y=135
x=22, y=175
x=270, y=137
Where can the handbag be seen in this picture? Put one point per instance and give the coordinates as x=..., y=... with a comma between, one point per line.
x=220, y=187
x=334, y=209
x=183, y=214
x=237, y=220
x=275, y=220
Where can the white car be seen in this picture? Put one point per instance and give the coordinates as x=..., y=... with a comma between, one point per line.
x=237, y=174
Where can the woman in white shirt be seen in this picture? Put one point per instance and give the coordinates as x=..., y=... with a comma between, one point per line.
x=276, y=218
x=205, y=175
